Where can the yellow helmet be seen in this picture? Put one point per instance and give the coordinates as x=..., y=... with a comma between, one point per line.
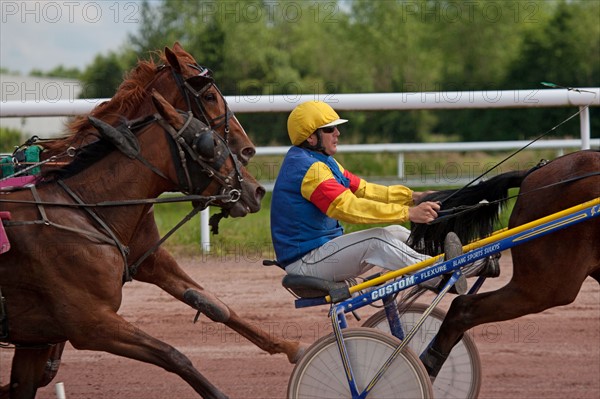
x=309, y=116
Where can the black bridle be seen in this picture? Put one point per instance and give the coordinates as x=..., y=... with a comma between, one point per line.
x=192, y=90
x=196, y=149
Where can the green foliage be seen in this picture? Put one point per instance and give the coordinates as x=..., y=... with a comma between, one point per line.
x=7, y=71
x=9, y=139
x=102, y=78
x=363, y=46
x=58, y=72
x=566, y=51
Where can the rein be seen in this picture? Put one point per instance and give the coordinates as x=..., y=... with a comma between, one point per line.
x=111, y=239
x=459, y=210
x=132, y=269
x=230, y=197
x=547, y=132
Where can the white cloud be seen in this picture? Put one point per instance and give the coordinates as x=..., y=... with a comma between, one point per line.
x=45, y=34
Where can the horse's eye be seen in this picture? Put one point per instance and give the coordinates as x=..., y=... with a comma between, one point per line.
x=210, y=97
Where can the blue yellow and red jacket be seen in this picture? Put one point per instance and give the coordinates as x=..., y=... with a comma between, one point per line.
x=314, y=191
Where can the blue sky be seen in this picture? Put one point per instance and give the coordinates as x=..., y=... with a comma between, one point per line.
x=45, y=34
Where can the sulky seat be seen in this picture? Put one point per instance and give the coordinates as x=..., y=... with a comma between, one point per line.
x=313, y=287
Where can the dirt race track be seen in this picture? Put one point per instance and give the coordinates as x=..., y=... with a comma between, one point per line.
x=555, y=354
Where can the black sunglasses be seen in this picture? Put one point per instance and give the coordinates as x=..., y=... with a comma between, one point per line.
x=328, y=129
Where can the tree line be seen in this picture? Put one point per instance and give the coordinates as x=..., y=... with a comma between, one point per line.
x=364, y=46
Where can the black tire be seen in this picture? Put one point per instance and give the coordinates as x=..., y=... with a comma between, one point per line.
x=460, y=377
x=320, y=373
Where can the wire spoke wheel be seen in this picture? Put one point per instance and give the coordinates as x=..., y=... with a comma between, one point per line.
x=460, y=377
x=320, y=373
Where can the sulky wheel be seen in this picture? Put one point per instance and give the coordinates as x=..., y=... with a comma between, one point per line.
x=320, y=372
x=460, y=377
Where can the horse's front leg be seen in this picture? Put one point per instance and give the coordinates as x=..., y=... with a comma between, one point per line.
x=52, y=364
x=162, y=270
x=106, y=331
x=27, y=372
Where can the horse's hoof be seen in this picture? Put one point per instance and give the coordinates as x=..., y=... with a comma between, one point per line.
x=491, y=267
x=4, y=391
x=299, y=353
x=460, y=287
x=215, y=309
x=433, y=361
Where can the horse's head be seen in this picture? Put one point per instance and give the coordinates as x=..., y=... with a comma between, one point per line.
x=183, y=83
x=205, y=164
x=188, y=86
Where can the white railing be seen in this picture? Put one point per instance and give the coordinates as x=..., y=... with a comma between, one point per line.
x=580, y=97
x=400, y=149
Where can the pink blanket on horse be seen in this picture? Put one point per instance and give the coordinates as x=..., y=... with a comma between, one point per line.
x=4, y=243
x=17, y=181
x=9, y=183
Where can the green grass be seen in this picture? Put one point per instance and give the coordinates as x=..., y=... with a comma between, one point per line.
x=250, y=234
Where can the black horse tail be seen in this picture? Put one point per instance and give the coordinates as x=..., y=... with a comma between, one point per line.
x=470, y=212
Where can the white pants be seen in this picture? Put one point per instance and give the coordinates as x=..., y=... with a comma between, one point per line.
x=353, y=254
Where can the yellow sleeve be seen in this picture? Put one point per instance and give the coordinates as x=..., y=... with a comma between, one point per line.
x=349, y=208
x=362, y=203
x=396, y=194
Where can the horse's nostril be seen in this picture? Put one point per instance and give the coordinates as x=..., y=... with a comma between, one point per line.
x=260, y=193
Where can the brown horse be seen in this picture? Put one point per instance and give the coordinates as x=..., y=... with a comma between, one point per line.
x=62, y=278
x=547, y=271
x=187, y=86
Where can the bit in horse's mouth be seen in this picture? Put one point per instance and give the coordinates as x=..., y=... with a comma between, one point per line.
x=240, y=210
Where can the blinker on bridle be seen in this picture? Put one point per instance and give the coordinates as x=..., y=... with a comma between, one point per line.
x=202, y=150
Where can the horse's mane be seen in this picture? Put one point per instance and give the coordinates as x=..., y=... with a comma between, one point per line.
x=127, y=98
x=477, y=222
x=94, y=151
x=86, y=157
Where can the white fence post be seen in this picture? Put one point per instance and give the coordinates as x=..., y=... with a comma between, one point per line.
x=401, y=165
x=59, y=389
x=205, y=230
x=584, y=126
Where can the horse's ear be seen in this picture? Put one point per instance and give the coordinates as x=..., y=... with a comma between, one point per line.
x=172, y=59
x=166, y=110
x=178, y=48
x=122, y=138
